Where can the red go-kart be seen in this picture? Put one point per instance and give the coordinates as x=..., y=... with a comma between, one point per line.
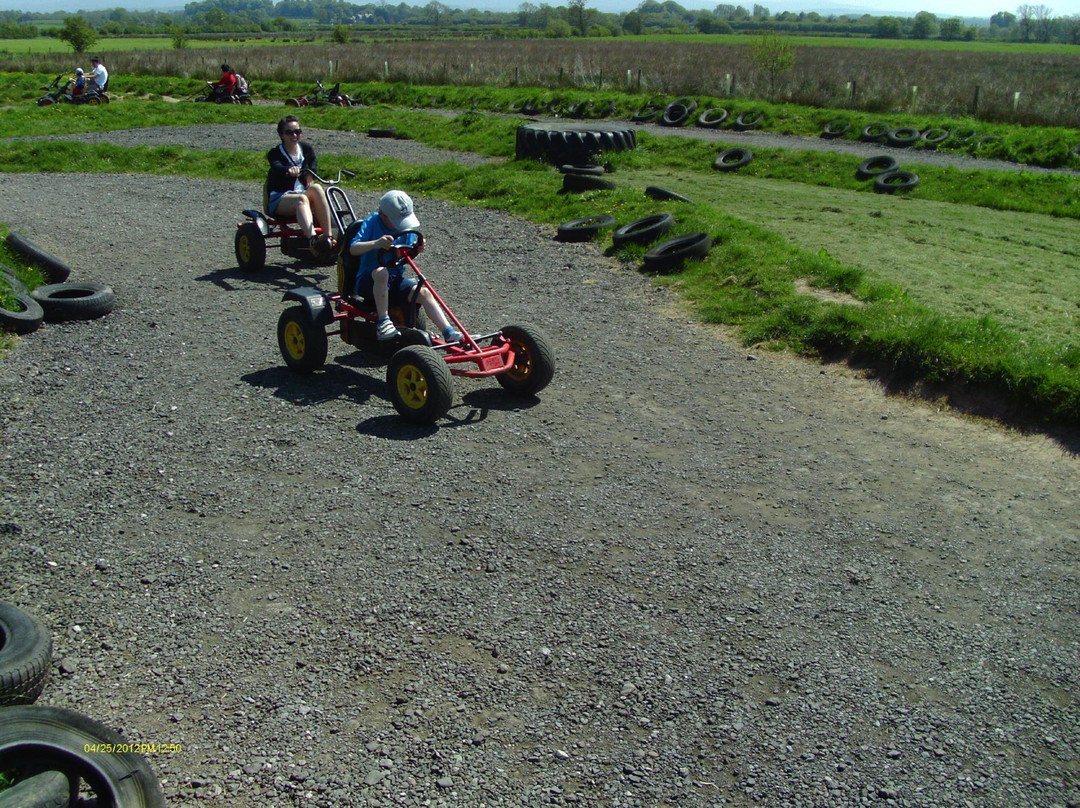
x=259, y=229
x=421, y=368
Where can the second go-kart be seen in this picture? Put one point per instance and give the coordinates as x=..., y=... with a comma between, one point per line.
x=259, y=229
x=420, y=371
x=321, y=97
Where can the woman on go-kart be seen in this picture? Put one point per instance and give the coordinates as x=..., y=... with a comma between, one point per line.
x=291, y=191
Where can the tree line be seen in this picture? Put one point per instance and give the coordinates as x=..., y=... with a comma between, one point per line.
x=1029, y=23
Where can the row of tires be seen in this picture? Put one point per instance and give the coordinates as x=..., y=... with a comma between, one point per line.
x=60, y=300
x=666, y=256
x=48, y=753
x=682, y=110
x=903, y=136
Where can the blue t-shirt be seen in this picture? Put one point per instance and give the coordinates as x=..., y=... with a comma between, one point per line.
x=372, y=229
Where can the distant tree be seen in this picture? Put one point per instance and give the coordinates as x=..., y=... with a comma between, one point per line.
x=951, y=29
x=179, y=36
x=1002, y=19
x=1044, y=22
x=772, y=55
x=632, y=23
x=760, y=12
x=888, y=28
x=1025, y=21
x=78, y=33
x=578, y=16
x=922, y=27
x=340, y=34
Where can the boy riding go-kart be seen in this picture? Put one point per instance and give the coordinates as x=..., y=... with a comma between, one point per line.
x=420, y=371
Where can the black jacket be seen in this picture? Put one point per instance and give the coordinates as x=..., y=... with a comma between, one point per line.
x=278, y=178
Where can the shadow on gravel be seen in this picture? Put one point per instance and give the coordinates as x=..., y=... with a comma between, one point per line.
x=273, y=276
x=473, y=409
x=332, y=383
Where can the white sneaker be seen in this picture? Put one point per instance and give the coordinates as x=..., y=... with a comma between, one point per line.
x=384, y=329
x=451, y=334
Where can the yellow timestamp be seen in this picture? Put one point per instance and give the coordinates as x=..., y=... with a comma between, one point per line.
x=132, y=748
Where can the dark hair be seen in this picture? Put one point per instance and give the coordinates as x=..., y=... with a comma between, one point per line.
x=286, y=120
x=226, y=69
x=94, y=59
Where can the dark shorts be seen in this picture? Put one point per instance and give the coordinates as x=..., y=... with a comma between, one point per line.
x=399, y=287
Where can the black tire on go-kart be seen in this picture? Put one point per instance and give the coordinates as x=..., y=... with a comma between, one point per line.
x=534, y=361
x=46, y=789
x=25, y=653
x=250, y=247
x=421, y=386
x=37, y=737
x=303, y=343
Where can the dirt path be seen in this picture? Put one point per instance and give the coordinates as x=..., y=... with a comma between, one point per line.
x=688, y=573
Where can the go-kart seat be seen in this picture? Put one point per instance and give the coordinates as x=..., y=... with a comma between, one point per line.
x=266, y=205
x=348, y=264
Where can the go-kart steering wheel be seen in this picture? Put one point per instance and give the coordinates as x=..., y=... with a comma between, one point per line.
x=395, y=255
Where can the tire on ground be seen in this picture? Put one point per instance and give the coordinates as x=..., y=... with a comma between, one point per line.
x=874, y=132
x=56, y=270
x=934, y=135
x=26, y=319
x=586, y=182
x=893, y=181
x=584, y=229
x=678, y=112
x=40, y=737
x=25, y=653
x=74, y=301
x=902, y=136
x=835, y=128
x=662, y=194
x=571, y=141
x=582, y=168
x=874, y=166
x=643, y=231
x=733, y=159
x=712, y=118
x=750, y=119
x=45, y=789
x=673, y=252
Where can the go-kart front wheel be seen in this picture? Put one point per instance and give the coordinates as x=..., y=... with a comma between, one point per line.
x=250, y=246
x=302, y=343
x=534, y=361
x=420, y=384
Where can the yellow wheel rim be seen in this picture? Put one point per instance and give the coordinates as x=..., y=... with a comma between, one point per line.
x=294, y=341
x=523, y=363
x=412, y=387
x=243, y=247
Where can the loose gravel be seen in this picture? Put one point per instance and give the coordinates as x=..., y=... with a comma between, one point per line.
x=686, y=574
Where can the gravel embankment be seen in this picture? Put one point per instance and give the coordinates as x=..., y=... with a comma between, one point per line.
x=687, y=574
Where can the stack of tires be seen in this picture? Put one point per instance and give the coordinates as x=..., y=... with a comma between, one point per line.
x=571, y=141
x=885, y=171
x=46, y=753
x=59, y=300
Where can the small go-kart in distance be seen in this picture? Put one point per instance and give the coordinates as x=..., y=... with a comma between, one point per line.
x=57, y=93
x=419, y=374
x=321, y=97
x=260, y=229
x=208, y=94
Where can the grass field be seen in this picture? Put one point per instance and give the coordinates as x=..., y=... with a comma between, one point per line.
x=944, y=285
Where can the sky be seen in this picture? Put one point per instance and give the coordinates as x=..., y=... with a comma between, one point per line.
x=942, y=8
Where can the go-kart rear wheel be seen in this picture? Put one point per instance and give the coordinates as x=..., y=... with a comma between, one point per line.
x=93, y=101
x=250, y=246
x=421, y=386
x=534, y=361
x=302, y=343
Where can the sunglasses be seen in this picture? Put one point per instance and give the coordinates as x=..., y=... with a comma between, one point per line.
x=296, y=132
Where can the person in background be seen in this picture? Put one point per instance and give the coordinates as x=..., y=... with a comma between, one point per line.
x=80, y=83
x=226, y=85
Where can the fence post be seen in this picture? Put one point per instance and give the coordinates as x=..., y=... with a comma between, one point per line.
x=639, y=79
x=914, y=96
x=600, y=86
x=975, y=102
x=515, y=77
x=1016, y=100
x=386, y=69
x=331, y=67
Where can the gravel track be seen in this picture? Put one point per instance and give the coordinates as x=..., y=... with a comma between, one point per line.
x=686, y=574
